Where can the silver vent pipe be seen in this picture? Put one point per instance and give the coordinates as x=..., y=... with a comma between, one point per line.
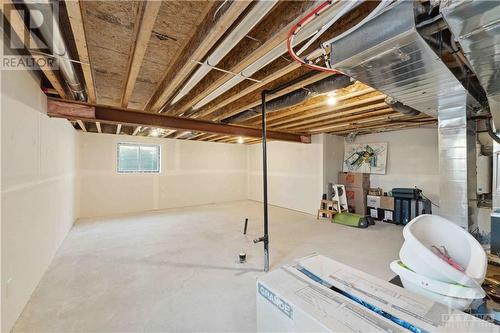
x=41, y=13
x=476, y=26
x=396, y=60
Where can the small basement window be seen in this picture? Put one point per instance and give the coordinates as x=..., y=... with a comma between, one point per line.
x=138, y=158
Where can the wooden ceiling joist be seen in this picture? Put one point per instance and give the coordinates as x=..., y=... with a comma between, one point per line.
x=197, y=49
x=382, y=126
x=319, y=76
x=348, y=119
x=208, y=111
x=322, y=110
x=278, y=36
x=17, y=25
x=143, y=28
x=77, y=26
x=327, y=119
x=314, y=104
x=112, y=115
x=82, y=125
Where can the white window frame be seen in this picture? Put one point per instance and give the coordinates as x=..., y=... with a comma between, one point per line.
x=137, y=145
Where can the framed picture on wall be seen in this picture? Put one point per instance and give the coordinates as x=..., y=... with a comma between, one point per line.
x=365, y=157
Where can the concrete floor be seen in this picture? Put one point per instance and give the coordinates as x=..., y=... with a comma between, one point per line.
x=176, y=270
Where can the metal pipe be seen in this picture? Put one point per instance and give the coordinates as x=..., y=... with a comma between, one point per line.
x=264, y=176
x=41, y=12
x=264, y=238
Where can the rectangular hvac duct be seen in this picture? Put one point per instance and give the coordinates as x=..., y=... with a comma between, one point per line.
x=389, y=54
x=476, y=27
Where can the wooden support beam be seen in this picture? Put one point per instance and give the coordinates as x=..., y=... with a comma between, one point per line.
x=17, y=25
x=143, y=28
x=75, y=19
x=98, y=125
x=82, y=125
x=118, y=128
x=112, y=115
x=197, y=49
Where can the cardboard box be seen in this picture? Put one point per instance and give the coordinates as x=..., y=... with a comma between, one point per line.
x=387, y=203
x=383, y=202
x=356, y=199
x=310, y=297
x=353, y=179
x=373, y=201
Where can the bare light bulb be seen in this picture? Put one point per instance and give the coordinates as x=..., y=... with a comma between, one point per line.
x=241, y=140
x=155, y=132
x=331, y=100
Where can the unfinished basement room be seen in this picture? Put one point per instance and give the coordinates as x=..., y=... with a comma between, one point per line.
x=250, y=166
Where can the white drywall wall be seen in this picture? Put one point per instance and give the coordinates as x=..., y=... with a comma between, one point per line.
x=333, y=156
x=192, y=173
x=295, y=174
x=412, y=160
x=38, y=188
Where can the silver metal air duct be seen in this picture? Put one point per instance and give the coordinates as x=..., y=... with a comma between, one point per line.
x=476, y=26
x=390, y=55
x=41, y=13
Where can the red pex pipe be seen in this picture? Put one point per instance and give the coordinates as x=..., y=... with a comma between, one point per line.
x=294, y=30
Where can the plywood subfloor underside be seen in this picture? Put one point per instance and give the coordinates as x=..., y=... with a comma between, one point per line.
x=175, y=270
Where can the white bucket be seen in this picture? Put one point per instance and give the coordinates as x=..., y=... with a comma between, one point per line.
x=426, y=231
x=454, y=295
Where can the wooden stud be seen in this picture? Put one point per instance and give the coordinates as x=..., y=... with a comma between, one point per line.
x=98, y=125
x=143, y=28
x=118, y=128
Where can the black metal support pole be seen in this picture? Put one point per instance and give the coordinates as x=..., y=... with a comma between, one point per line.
x=264, y=238
x=265, y=93
x=264, y=183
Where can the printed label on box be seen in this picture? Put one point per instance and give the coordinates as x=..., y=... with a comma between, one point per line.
x=388, y=215
x=276, y=300
x=374, y=213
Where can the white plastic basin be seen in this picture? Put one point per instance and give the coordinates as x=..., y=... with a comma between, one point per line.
x=427, y=230
x=454, y=295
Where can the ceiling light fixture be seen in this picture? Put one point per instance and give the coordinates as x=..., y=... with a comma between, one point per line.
x=155, y=132
x=331, y=100
x=241, y=140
